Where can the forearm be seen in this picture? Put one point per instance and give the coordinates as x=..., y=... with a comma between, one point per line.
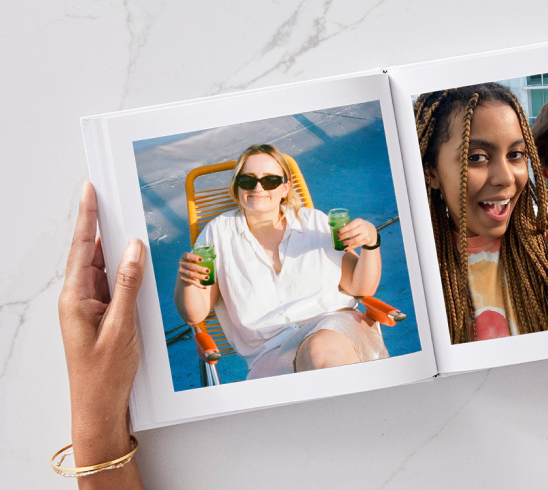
x=100, y=427
x=191, y=303
x=99, y=441
x=366, y=273
x=361, y=274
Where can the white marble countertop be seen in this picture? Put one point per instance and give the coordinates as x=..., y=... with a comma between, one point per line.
x=65, y=59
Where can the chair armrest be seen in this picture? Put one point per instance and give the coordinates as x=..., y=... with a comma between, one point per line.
x=381, y=312
x=207, y=349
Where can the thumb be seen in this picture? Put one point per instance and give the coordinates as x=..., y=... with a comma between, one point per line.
x=128, y=281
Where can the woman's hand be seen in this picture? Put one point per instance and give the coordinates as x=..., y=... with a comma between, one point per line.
x=357, y=233
x=101, y=349
x=193, y=304
x=190, y=272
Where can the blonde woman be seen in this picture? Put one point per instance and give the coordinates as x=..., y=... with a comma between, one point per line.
x=284, y=296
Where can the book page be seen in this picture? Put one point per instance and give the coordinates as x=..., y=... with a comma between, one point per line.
x=500, y=221
x=341, y=133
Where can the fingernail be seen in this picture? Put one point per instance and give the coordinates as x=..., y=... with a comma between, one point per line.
x=207, y=271
x=200, y=259
x=84, y=185
x=133, y=251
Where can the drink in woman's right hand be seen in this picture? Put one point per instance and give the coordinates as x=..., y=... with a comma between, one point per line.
x=338, y=218
x=207, y=252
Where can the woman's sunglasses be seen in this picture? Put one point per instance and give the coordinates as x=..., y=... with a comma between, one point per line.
x=268, y=182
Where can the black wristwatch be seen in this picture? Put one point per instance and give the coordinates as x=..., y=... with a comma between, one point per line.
x=373, y=247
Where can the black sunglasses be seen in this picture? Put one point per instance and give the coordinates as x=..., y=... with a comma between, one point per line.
x=268, y=182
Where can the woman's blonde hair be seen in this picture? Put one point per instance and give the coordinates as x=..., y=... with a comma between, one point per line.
x=291, y=201
x=523, y=264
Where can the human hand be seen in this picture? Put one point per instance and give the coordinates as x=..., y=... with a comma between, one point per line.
x=100, y=339
x=357, y=233
x=190, y=272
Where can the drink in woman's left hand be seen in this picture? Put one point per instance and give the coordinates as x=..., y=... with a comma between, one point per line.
x=338, y=218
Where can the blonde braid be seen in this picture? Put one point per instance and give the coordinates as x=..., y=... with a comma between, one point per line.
x=419, y=104
x=456, y=295
x=468, y=307
x=428, y=113
x=450, y=268
x=427, y=135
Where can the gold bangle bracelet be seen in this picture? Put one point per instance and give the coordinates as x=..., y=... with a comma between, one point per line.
x=90, y=470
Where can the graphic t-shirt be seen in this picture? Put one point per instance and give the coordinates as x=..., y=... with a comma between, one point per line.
x=486, y=289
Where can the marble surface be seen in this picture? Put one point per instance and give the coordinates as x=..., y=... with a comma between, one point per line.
x=65, y=59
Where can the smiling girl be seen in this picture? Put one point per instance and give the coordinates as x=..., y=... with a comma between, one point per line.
x=492, y=246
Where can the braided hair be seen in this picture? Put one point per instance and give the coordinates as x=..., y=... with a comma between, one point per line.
x=523, y=264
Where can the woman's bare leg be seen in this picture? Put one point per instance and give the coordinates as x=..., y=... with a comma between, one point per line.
x=325, y=348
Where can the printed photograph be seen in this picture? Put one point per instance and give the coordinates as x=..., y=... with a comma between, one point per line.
x=484, y=151
x=276, y=246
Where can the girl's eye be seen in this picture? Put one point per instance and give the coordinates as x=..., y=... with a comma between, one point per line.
x=477, y=158
x=516, y=155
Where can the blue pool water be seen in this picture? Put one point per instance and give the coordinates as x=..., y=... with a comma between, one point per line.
x=343, y=156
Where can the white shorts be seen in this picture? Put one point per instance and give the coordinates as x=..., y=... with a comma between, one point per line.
x=364, y=335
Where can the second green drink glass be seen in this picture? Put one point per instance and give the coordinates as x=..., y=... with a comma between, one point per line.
x=338, y=218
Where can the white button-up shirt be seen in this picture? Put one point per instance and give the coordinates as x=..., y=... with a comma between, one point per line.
x=257, y=308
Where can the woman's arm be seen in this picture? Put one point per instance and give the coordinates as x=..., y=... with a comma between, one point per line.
x=101, y=349
x=193, y=300
x=361, y=274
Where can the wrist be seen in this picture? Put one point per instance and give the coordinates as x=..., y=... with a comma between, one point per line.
x=92, y=426
x=99, y=439
x=101, y=395
x=99, y=415
x=375, y=245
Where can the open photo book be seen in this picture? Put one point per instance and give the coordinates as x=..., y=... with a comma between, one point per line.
x=432, y=164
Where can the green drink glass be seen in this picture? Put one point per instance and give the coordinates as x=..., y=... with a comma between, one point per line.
x=206, y=250
x=338, y=218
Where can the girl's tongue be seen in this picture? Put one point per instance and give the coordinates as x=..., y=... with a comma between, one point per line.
x=493, y=210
